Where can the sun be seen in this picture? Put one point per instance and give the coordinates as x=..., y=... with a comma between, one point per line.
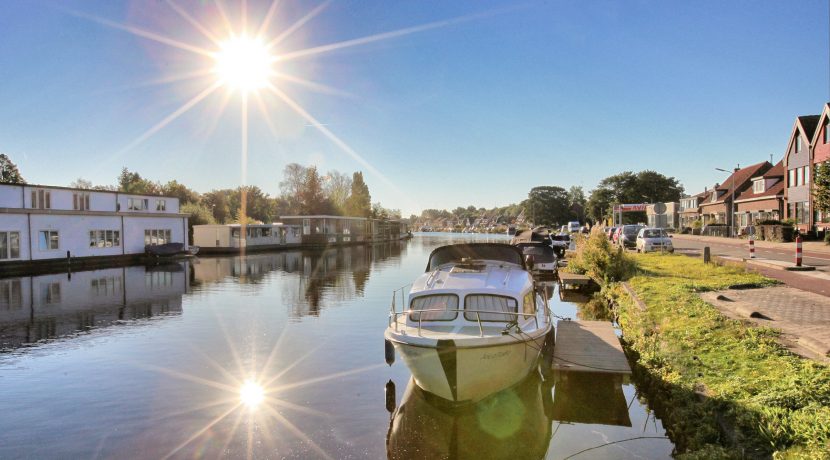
x=244, y=64
x=251, y=394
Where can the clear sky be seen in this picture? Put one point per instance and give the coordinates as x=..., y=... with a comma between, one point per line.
x=498, y=97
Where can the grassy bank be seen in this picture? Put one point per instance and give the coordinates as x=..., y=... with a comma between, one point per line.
x=724, y=389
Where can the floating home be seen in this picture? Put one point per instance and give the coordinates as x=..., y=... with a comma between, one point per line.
x=45, y=224
x=296, y=231
x=218, y=238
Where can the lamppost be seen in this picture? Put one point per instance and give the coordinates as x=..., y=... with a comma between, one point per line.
x=732, y=203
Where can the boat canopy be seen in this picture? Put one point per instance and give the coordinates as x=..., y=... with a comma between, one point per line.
x=475, y=251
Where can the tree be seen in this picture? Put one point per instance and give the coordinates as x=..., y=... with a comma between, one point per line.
x=628, y=187
x=8, y=171
x=337, y=187
x=359, y=203
x=311, y=198
x=821, y=187
x=198, y=214
x=218, y=201
x=548, y=205
x=180, y=191
x=576, y=201
x=132, y=182
x=81, y=183
x=291, y=186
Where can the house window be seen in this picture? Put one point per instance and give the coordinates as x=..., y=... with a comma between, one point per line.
x=80, y=201
x=758, y=186
x=161, y=205
x=791, y=178
x=104, y=238
x=797, y=143
x=48, y=240
x=137, y=204
x=827, y=133
x=9, y=245
x=154, y=237
x=41, y=199
x=806, y=175
x=800, y=178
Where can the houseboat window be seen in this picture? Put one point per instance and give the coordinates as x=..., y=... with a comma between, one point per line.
x=434, y=302
x=155, y=237
x=48, y=240
x=51, y=292
x=235, y=233
x=482, y=303
x=41, y=199
x=105, y=238
x=80, y=201
x=137, y=204
x=11, y=294
x=9, y=245
x=161, y=205
x=107, y=286
x=266, y=232
x=529, y=304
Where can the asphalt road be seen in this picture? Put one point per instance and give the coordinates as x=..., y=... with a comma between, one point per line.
x=820, y=260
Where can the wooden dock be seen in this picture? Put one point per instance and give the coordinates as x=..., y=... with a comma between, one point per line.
x=573, y=281
x=588, y=346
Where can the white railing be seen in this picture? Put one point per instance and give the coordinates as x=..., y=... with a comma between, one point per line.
x=394, y=317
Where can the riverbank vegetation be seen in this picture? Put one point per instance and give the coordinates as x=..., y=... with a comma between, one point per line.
x=722, y=387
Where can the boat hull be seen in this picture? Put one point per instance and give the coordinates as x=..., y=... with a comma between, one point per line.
x=460, y=374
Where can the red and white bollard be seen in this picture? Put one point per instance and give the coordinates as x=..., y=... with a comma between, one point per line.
x=751, y=247
x=798, y=251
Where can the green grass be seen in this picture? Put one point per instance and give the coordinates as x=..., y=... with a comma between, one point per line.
x=724, y=388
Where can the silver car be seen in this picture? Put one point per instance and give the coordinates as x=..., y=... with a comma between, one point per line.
x=654, y=239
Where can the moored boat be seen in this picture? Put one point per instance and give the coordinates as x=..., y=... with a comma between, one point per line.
x=474, y=324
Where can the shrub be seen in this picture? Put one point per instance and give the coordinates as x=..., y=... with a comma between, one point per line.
x=597, y=258
x=698, y=224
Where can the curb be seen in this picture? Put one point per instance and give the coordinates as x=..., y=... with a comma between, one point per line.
x=793, y=268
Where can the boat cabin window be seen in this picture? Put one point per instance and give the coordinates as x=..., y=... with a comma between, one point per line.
x=435, y=303
x=529, y=304
x=480, y=304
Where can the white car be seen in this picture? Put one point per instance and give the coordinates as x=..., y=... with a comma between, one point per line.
x=573, y=226
x=654, y=239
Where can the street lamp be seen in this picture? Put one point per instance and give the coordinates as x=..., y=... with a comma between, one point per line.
x=732, y=202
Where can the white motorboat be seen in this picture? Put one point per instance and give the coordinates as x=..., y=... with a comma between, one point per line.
x=474, y=323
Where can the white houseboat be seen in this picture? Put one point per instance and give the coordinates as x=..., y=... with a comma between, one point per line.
x=219, y=238
x=39, y=224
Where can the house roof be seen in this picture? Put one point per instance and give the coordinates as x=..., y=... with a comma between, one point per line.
x=739, y=179
x=776, y=172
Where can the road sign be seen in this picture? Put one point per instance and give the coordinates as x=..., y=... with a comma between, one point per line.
x=659, y=208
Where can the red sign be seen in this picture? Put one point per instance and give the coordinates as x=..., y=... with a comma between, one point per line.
x=630, y=207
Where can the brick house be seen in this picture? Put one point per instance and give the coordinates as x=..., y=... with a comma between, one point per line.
x=764, y=200
x=798, y=161
x=690, y=208
x=821, y=153
x=717, y=207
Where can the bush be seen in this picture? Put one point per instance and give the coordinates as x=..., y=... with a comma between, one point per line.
x=826, y=237
x=598, y=259
x=698, y=224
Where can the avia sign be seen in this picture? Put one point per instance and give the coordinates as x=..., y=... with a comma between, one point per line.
x=630, y=207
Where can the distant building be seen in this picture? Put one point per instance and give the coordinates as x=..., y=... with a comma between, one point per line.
x=764, y=200
x=42, y=223
x=717, y=207
x=668, y=219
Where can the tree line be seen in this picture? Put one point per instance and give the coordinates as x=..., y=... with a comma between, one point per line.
x=551, y=205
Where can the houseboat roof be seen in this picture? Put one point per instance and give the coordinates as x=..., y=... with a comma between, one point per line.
x=91, y=190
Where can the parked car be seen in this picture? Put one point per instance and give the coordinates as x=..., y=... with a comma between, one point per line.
x=609, y=232
x=573, y=226
x=628, y=236
x=654, y=239
x=561, y=243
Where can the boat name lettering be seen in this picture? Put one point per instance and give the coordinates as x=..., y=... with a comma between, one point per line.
x=499, y=354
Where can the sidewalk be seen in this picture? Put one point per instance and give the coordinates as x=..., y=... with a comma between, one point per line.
x=811, y=246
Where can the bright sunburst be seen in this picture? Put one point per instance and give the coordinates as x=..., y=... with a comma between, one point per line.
x=244, y=64
x=251, y=394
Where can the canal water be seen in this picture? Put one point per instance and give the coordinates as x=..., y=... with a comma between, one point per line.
x=275, y=355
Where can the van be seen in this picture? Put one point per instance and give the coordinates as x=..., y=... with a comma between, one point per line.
x=573, y=226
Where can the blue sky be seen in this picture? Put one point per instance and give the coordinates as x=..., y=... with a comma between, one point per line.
x=475, y=112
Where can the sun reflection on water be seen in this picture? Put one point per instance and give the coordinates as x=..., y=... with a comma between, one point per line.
x=251, y=394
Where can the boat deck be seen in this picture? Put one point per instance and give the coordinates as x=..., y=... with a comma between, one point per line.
x=588, y=346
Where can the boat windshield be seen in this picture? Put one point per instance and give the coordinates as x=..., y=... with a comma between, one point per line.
x=475, y=251
x=541, y=253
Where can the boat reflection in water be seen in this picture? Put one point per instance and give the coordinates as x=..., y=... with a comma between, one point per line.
x=37, y=308
x=514, y=423
x=325, y=277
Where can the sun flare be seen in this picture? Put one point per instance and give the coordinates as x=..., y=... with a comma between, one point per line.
x=251, y=394
x=244, y=64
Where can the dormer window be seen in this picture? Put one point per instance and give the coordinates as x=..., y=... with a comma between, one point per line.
x=714, y=196
x=758, y=186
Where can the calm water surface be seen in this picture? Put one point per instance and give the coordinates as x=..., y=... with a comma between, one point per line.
x=151, y=363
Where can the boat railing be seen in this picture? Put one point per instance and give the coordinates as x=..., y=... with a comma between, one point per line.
x=395, y=315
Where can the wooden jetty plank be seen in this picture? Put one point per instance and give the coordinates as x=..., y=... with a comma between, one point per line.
x=572, y=279
x=588, y=346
